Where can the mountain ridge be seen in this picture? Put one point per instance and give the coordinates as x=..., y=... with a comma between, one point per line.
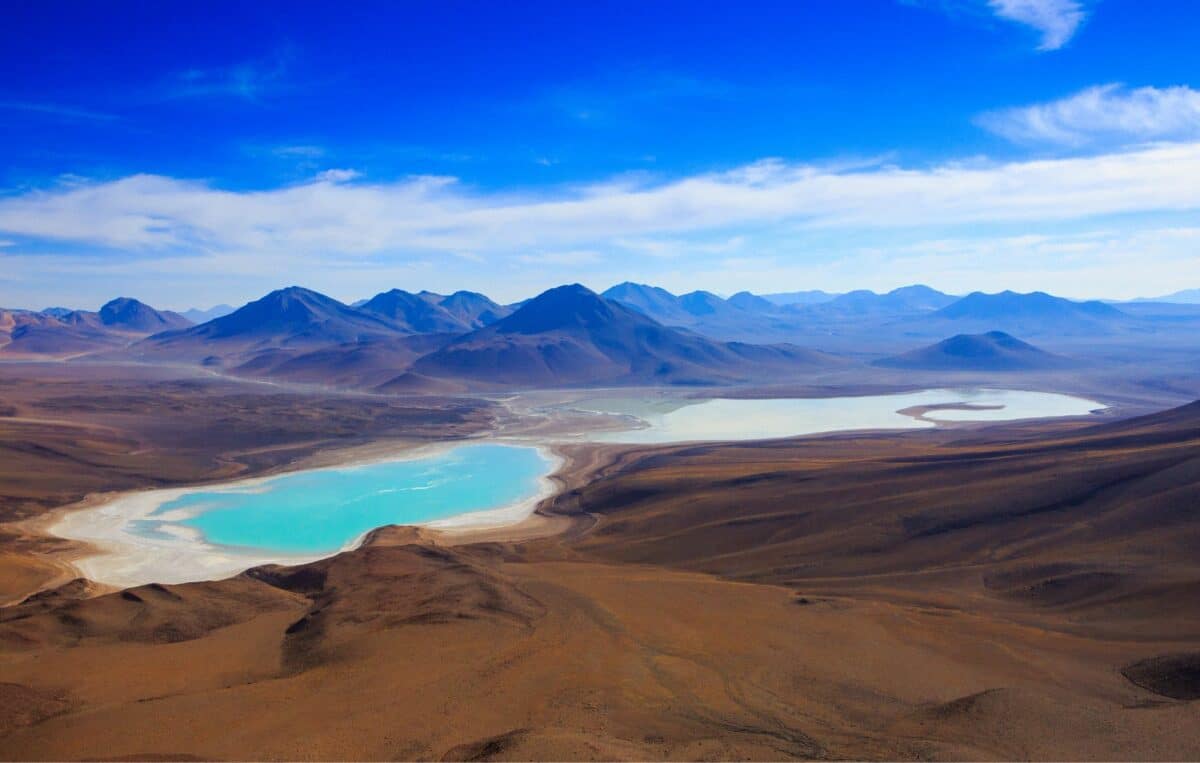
x=570, y=335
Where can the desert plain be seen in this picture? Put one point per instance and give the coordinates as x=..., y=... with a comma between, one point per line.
x=1015, y=590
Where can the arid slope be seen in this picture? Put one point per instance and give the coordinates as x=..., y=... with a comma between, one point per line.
x=952, y=594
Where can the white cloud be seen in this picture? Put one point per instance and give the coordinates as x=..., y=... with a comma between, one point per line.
x=331, y=216
x=573, y=257
x=1056, y=20
x=1109, y=112
x=337, y=176
x=667, y=248
x=1109, y=263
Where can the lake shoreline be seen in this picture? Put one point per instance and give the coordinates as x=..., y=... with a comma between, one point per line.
x=113, y=556
x=573, y=461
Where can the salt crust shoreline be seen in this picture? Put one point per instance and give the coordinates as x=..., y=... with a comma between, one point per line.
x=124, y=559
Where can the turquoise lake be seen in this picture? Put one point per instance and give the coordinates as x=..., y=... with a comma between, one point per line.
x=322, y=510
x=177, y=535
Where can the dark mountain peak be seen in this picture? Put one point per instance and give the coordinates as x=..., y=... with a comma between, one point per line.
x=291, y=318
x=472, y=308
x=904, y=300
x=1001, y=336
x=564, y=307
x=1035, y=304
x=629, y=288
x=746, y=301
x=393, y=297
x=431, y=297
x=990, y=351
x=134, y=315
x=80, y=318
x=463, y=297
x=570, y=335
x=652, y=301
x=967, y=344
x=859, y=299
x=916, y=291
x=918, y=297
x=701, y=302
x=291, y=304
x=414, y=312
x=290, y=309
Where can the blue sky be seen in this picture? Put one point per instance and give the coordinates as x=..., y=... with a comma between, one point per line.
x=193, y=154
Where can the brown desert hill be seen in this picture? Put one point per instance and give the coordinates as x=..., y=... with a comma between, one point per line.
x=60, y=332
x=992, y=351
x=28, y=334
x=1018, y=592
x=1112, y=498
x=571, y=336
x=353, y=365
x=293, y=318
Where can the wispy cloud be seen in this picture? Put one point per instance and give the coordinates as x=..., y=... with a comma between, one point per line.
x=57, y=110
x=248, y=80
x=1056, y=20
x=335, y=215
x=303, y=151
x=1104, y=113
x=573, y=258
x=616, y=96
x=337, y=176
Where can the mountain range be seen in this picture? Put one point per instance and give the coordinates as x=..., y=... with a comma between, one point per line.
x=430, y=313
x=60, y=332
x=750, y=317
x=570, y=335
x=1034, y=314
x=1184, y=297
x=404, y=341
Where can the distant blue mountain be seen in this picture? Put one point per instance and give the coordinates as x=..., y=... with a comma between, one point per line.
x=196, y=315
x=744, y=300
x=129, y=314
x=414, y=313
x=293, y=318
x=652, y=301
x=1038, y=304
x=570, y=335
x=992, y=351
x=904, y=300
x=1034, y=314
x=472, y=308
x=1185, y=297
x=811, y=297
